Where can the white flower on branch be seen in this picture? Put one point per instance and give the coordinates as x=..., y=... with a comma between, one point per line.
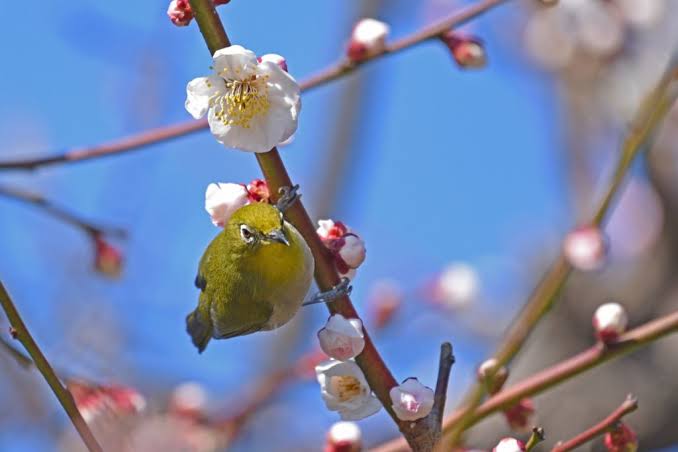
x=585, y=248
x=411, y=400
x=610, y=320
x=344, y=437
x=344, y=389
x=368, y=39
x=250, y=105
x=342, y=338
x=222, y=199
x=509, y=445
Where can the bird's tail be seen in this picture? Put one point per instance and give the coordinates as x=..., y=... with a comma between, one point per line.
x=199, y=326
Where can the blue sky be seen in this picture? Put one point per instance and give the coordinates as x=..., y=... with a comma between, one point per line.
x=448, y=166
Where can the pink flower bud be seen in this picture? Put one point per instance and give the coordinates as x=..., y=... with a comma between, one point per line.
x=585, y=248
x=520, y=416
x=352, y=251
x=368, y=39
x=344, y=437
x=107, y=259
x=180, y=13
x=621, y=439
x=411, y=400
x=342, y=338
x=467, y=51
x=275, y=59
x=492, y=376
x=93, y=400
x=222, y=199
x=258, y=191
x=509, y=445
x=347, y=247
x=329, y=229
x=384, y=300
x=610, y=321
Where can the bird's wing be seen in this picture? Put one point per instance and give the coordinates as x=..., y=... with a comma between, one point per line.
x=239, y=317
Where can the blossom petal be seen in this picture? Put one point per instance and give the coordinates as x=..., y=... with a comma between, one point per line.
x=369, y=407
x=235, y=62
x=198, y=93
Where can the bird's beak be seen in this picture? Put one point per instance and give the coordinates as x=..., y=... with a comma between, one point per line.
x=278, y=236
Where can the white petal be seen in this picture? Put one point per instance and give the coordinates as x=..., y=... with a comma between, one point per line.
x=221, y=200
x=342, y=339
x=370, y=406
x=251, y=139
x=198, y=93
x=324, y=227
x=341, y=325
x=353, y=252
x=235, y=62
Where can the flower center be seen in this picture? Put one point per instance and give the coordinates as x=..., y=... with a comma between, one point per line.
x=242, y=101
x=345, y=387
x=410, y=402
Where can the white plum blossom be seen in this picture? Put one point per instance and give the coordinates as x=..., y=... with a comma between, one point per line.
x=344, y=436
x=344, y=389
x=222, y=199
x=411, y=400
x=353, y=251
x=610, y=320
x=368, y=39
x=585, y=248
x=509, y=445
x=342, y=338
x=250, y=105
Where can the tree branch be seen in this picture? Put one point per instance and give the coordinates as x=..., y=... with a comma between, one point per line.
x=559, y=373
x=21, y=333
x=331, y=73
x=629, y=405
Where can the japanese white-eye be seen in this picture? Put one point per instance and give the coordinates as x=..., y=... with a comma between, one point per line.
x=253, y=276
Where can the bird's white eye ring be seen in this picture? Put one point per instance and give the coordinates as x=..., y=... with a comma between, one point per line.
x=247, y=235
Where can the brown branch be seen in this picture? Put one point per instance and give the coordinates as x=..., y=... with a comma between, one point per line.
x=650, y=114
x=48, y=207
x=559, y=373
x=629, y=405
x=21, y=333
x=331, y=73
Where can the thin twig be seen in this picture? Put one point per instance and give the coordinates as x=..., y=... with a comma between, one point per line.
x=559, y=373
x=536, y=437
x=650, y=114
x=48, y=207
x=331, y=73
x=629, y=405
x=21, y=333
x=440, y=396
x=19, y=356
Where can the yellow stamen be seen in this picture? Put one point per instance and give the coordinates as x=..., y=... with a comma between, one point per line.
x=242, y=101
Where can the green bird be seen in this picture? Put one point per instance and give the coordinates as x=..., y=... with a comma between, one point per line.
x=253, y=276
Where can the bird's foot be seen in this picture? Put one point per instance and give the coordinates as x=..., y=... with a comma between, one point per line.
x=336, y=292
x=288, y=196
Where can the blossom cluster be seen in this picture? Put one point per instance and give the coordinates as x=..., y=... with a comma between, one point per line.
x=347, y=248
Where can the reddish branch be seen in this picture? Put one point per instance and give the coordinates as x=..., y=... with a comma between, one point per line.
x=559, y=373
x=629, y=405
x=327, y=75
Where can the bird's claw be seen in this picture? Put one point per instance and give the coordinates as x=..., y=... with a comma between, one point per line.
x=336, y=292
x=288, y=196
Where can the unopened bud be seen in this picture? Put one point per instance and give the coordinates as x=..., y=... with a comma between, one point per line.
x=492, y=375
x=610, y=321
x=368, y=39
x=520, y=416
x=585, y=248
x=621, y=439
x=468, y=51
x=258, y=191
x=180, y=12
x=509, y=445
x=107, y=258
x=344, y=437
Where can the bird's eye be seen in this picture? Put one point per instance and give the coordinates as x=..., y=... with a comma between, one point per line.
x=246, y=233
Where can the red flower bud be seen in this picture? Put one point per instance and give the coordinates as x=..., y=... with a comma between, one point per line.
x=621, y=439
x=108, y=259
x=467, y=51
x=258, y=191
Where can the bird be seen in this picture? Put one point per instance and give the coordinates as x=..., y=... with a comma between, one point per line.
x=253, y=276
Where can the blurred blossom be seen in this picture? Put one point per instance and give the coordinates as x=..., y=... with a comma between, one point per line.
x=305, y=366
x=492, y=376
x=188, y=400
x=344, y=389
x=368, y=39
x=585, y=248
x=384, y=299
x=610, y=321
x=457, y=286
x=346, y=246
x=342, y=338
x=94, y=400
x=641, y=14
x=467, y=51
x=222, y=199
x=344, y=437
x=520, y=416
x=411, y=400
x=174, y=434
x=509, y=445
x=636, y=222
x=621, y=439
x=107, y=258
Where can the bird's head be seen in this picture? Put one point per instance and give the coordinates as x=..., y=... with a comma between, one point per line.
x=258, y=225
